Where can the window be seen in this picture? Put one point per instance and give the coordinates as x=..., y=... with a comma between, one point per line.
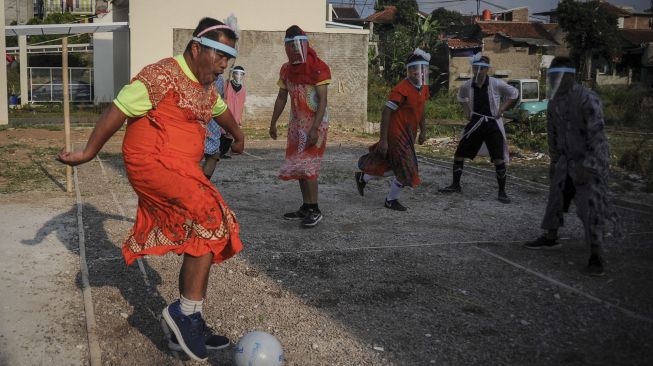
x=530, y=90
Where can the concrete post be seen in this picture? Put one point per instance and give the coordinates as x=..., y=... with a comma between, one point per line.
x=4, y=103
x=22, y=44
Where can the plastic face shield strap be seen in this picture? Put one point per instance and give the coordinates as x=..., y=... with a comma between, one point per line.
x=476, y=70
x=220, y=47
x=296, y=49
x=418, y=73
x=554, y=79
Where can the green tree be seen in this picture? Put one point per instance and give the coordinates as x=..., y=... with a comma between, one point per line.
x=406, y=10
x=447, y=18
x=590, y=29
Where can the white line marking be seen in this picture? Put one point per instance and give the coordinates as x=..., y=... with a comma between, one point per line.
x=122, y=213
x=568, y=287
x=95, y=353
x=252, y=155
x=398, y=246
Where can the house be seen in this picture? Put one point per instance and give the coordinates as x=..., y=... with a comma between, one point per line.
x=515, y=46
x=345, y=15
x=636, y=35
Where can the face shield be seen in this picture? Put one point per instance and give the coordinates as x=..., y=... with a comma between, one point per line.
x=417, y=73
x=296, y=49
x=238, y=76
x=479, y=70
x=554, y=79
x=228, y=51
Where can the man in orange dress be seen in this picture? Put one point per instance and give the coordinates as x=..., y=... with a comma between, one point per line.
x=168, y=105
x=305, y=78
x=394, y=154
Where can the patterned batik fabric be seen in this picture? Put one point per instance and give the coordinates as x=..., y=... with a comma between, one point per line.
x=212, y=142
x=179, y=210
x=401, y=158
x=303, y=162
x=579, y=153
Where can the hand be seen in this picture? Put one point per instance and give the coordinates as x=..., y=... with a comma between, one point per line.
x=72, y=158
x=422, y=138
x=273, y=131
x=311, y=139
x=382, y=147
x=238, y=146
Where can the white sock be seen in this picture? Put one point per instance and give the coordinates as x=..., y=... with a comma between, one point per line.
x=395, y=190
x=190, y=306
x=367, y=177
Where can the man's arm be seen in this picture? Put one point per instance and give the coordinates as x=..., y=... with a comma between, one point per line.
x=510, y=94
x=422, y=129
x=110, y=122
x=279, y=105
x=226, y=120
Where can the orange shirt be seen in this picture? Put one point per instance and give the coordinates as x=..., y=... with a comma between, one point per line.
x=411, y=108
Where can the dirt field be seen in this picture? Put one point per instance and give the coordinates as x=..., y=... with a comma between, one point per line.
x=445, y=283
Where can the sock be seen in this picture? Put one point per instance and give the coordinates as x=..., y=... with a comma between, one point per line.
x=312, y=206
x=395, y=190
x=367, y=177
x=189, y=307
x=501, y=176
x=457, y=172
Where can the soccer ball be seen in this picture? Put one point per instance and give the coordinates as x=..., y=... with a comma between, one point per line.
x=258, y=349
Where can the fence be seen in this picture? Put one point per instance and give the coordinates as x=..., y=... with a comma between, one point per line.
x=69, y=6
x=46, y=85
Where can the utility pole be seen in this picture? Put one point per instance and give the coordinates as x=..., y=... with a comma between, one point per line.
x=478, y=8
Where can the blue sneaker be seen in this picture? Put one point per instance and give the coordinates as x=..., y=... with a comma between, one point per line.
x=213, y=341
x=188, y=329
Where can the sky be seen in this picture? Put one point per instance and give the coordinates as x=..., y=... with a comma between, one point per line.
x=469, y=6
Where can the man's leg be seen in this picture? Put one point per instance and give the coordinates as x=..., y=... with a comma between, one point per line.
x=553, y=216
x=210, y=162
x=184, y=317
x=588, y=208
x=467, y=148
x=500, y=168
x=458, y=163
x=392, y=201
x=310, y=194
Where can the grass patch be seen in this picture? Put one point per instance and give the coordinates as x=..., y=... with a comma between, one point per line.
x=23, y=168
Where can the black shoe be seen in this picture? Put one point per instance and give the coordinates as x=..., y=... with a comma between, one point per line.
x=595, y=266
x=543, y=243
x=296, y=215
x=503, y=197
x=313, y=216
x=454, y=188
x=360, y=183
x=188, y=329
x=394, y=205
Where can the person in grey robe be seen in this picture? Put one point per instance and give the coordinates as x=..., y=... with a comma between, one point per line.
x=580, y=161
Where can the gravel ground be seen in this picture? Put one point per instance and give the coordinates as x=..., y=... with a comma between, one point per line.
x=444, y=283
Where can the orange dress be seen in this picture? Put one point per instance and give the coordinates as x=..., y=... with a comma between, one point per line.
x=303, y=162
x=178, y=208
x=402, y=130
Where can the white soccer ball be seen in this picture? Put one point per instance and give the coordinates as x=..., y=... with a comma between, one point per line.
x=258, y=349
